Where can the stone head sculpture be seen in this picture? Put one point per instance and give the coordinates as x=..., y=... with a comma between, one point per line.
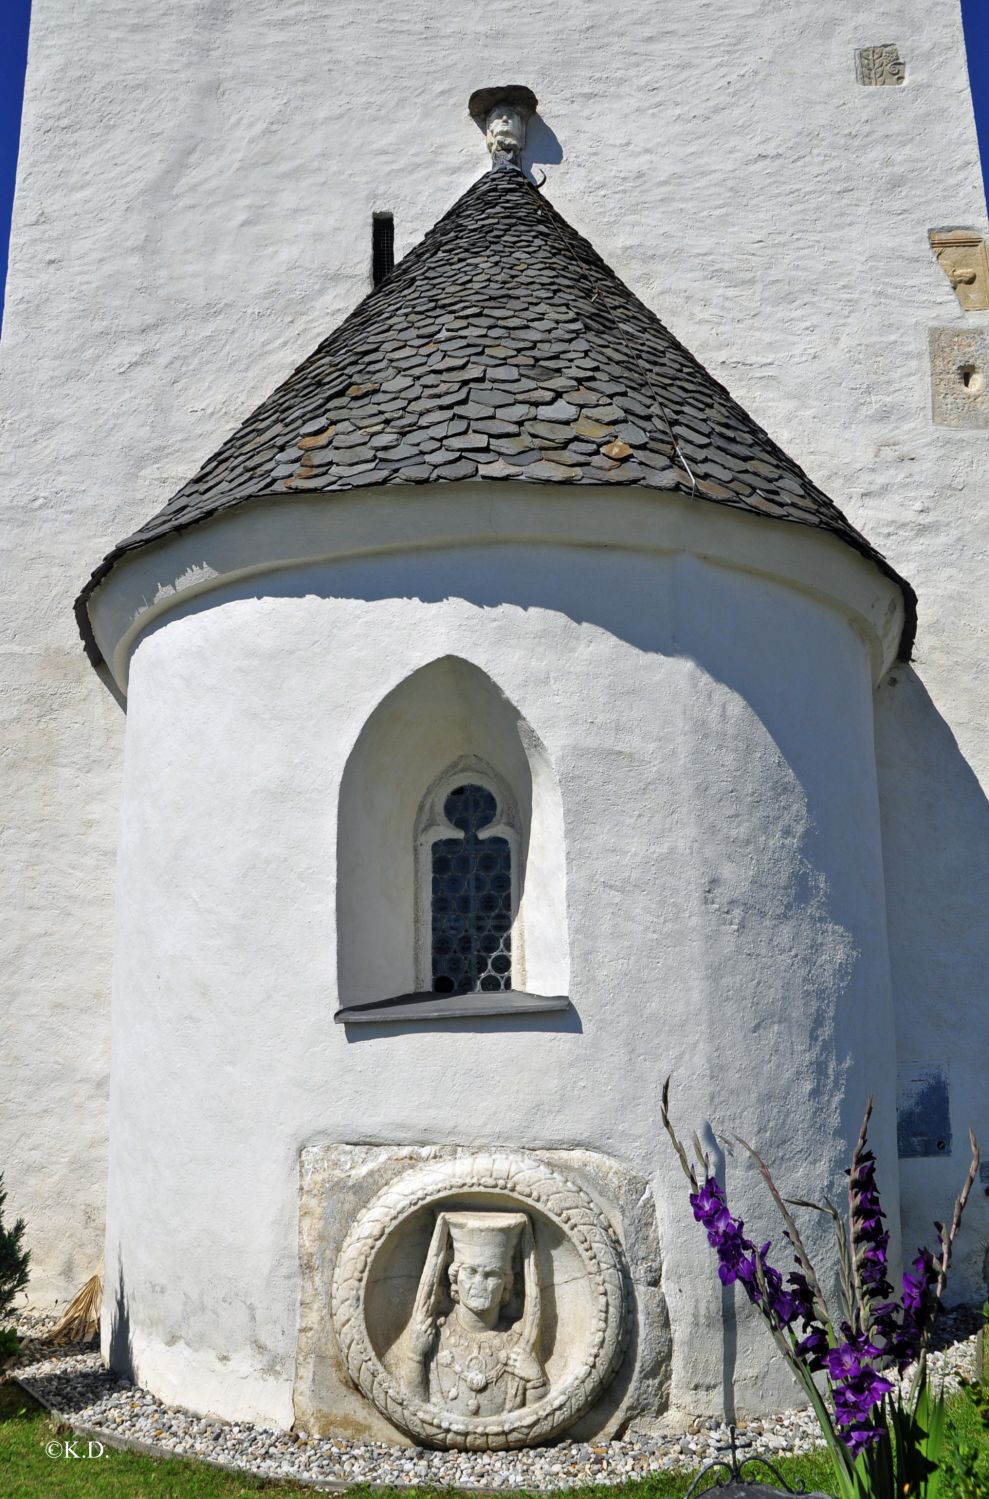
x=481, y=1271
x=505, y=130
x=503, y=113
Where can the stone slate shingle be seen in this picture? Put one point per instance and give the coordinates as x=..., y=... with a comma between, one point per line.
x=502, y=347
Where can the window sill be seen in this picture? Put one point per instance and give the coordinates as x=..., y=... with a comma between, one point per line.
x=413, y=1007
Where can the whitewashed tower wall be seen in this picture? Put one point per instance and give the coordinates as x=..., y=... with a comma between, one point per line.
x=193, y=208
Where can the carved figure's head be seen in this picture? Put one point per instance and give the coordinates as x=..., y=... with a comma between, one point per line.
x=505, y=129
x=503, y=112
x=481, y=1274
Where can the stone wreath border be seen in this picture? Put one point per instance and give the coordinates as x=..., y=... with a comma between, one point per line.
x=551, y=1194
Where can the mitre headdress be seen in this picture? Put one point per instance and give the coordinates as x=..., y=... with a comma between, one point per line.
x=485, y=1238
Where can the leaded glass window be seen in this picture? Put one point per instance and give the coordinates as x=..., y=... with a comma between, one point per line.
x=471, y=893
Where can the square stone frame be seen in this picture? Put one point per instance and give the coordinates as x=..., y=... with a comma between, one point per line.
x=336, y=1183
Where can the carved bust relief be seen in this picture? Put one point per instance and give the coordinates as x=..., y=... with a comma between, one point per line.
x=481, y=1302
x=469, y=1358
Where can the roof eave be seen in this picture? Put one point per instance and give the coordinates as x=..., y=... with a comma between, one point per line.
x=137, y=585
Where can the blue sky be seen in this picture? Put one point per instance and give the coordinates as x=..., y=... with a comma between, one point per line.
x=15, y=20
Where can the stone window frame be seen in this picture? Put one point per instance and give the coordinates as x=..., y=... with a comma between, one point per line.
x=431, y=825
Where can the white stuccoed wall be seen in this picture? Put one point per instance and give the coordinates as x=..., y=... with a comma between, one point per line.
x=193, y=213
x=711, y=733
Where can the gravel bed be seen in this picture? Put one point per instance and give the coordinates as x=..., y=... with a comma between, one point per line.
x=73, y=1382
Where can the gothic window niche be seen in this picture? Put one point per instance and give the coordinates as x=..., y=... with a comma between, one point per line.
x=448, y=784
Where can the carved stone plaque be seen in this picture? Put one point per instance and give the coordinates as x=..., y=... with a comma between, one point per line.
x=875, y=66
x=480, y=1302
x=961, y=254
x=960, y=376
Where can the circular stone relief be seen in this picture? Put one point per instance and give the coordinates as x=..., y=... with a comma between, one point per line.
x=480, y=1302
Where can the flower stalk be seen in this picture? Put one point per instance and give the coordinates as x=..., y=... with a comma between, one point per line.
x=884, y=1431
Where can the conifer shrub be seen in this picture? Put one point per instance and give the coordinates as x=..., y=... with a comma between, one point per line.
x=14, y=1260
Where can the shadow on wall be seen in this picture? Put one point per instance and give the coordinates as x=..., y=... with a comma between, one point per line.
x=70, y=1396
x=121, y=1350
x=541, y=146
x=935, y=821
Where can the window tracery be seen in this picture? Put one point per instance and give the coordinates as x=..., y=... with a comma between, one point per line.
x=468, y=883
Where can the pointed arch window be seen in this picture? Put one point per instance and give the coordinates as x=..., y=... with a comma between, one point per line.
x=467, y=850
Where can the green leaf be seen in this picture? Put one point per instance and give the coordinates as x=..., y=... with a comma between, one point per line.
x=10, y=1343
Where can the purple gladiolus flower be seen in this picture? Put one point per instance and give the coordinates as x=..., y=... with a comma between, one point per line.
x=869, y=1237
x=740, y=1260
x=919, y=1306
x=813, y=1349
x=856, y=1388
x=881, y=1334
x=707, y=1200
x=857, y=1438
x=845, y=1361
x=899, y=1327
x=919, y=1287
x=855, y=1399
x=800, y=1287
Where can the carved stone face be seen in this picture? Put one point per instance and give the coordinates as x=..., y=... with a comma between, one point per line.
x=479, y=1287
x=505, y=129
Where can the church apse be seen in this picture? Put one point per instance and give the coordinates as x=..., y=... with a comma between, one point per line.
x=517, y=752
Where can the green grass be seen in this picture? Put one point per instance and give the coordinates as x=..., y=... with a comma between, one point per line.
x=27, y=1472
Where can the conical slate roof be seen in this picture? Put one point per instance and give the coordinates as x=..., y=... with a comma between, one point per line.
x=502, y=347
